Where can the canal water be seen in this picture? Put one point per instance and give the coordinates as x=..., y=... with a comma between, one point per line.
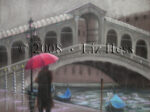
x=136, y=100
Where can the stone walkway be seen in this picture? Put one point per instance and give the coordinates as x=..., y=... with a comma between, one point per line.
x=19, y=103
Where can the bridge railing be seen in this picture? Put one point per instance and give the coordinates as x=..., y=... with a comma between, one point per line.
x=140, y=60
x=99, y=49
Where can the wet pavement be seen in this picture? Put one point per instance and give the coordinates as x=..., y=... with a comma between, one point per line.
x=10, y=102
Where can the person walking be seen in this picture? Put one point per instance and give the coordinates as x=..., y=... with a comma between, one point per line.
x=44, y=97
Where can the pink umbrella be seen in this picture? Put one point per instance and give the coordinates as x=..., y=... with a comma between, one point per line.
x=41, y=60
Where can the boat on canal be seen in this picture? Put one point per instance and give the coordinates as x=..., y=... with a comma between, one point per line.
x=66, y=97
x=115, y=104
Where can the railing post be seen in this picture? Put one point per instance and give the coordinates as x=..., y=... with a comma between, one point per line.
x=14, y=80
x=23, y=89
x=23, y=79
x=101, y=97
x=6, y=81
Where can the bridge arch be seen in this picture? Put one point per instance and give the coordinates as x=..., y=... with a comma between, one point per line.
x=66, y=37
x=126, y=42
x=112, y=37
x=17, y=51
x=131, y=63
x=50, y=41
x=91, y=23
x=141, y=49
x=3, y=56
x=79, y=73
x=108, y=65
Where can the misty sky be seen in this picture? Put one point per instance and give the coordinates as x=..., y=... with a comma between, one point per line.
x=17, y=12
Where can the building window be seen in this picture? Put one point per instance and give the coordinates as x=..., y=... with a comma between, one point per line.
x=91, y=26
x=17, y=52
x=141, y=49
x=66, y=37
x=50, y=41
x=3, y=56
x=36, y=46
x=126, y=43
x=112, y=37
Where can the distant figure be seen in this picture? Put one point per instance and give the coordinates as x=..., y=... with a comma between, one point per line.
x=44, y=98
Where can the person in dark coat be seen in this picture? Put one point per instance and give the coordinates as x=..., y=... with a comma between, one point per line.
x=44, y=98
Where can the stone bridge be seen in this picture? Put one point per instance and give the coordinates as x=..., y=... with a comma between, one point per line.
x=84, y=52
x=13, y=77
x=86, y=36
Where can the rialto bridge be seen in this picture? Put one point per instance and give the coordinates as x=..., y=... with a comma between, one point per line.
x=83, y=35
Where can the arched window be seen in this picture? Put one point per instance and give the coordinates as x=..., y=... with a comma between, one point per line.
x=36, y=46
x=141, y=49
x=66, y=37
x=50, y=41
x=112, y=37
x=126, y=42
x=91, y=26
x=82, y=36
x=3, y=56
x=17, y=51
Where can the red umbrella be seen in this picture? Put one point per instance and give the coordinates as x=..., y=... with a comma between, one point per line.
x=41, y=60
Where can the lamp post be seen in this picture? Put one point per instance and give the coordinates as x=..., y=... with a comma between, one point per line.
x=31, y=33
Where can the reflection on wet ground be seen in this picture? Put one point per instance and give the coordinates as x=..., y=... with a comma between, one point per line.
x=136, y=100
x=10, y=102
